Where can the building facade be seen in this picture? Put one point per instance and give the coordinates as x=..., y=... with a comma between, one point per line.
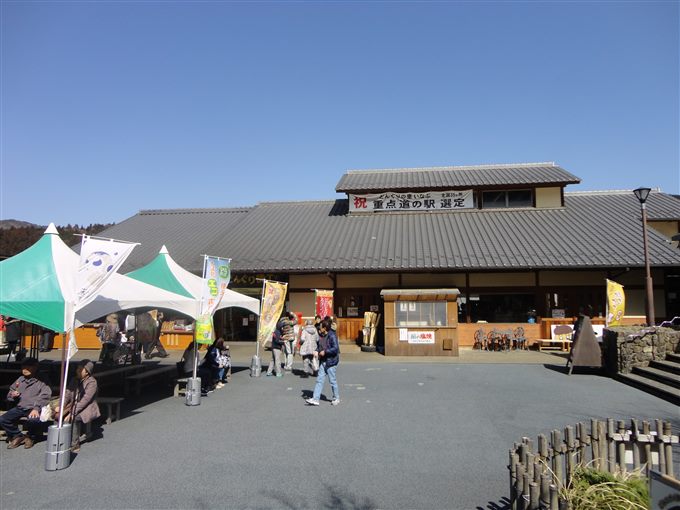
x=512, y=239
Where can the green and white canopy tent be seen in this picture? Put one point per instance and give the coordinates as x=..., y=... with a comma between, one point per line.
x=38, y=286
x=165, y=273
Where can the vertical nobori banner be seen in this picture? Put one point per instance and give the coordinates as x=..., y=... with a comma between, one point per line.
x=273, y=299
x=324, y=303
x=216, y=276
x=616, y=303
x=99, y=260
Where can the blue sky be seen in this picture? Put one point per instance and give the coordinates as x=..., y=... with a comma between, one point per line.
x=113, y=107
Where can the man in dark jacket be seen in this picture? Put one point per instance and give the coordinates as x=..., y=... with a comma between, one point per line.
x=328, y=352
x=32, y=394
x=277, y=345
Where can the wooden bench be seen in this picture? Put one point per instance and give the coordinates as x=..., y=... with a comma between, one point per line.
x=181, y=386
x=561, y=345
x=112, y=405
x=166, y=373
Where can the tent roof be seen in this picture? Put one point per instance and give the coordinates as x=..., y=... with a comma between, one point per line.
x=165, y=273
x=37, y=285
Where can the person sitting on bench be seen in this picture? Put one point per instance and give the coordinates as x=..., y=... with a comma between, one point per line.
x=80, y=404
x=31, y=395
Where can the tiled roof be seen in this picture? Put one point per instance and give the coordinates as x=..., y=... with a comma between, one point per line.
x=454, y=177
x=593, y=230
x=185, y=232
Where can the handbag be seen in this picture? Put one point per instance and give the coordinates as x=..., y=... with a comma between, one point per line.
x=315, y=364
x=46, y=413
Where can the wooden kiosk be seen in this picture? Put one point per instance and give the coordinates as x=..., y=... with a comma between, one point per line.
x=421, y=322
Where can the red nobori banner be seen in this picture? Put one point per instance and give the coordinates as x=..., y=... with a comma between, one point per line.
x=324, y=303
x=412, y=201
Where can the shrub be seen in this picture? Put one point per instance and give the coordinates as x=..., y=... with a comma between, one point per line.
x=591, y=489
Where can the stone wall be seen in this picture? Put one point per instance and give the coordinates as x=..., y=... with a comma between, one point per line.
x=628, y=347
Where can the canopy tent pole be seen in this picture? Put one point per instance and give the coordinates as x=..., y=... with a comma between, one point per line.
x=256, y=365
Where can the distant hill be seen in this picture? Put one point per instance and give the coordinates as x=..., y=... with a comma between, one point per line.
x=16, y=236
x=17, y=224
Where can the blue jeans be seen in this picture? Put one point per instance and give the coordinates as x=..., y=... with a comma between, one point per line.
x=331, y=378
x=10, y=420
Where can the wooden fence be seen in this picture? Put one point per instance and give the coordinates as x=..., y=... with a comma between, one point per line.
x=538, y=471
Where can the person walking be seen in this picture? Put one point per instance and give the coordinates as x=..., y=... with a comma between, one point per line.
x=46, y=340
x=309, y=339
x=277, y=346
x=156, y=341
x=12, y=336
x=328, y=353
x=287, y=327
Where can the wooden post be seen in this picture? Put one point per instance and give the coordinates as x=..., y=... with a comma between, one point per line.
x=525, y=491
x=571, y=450
x=607, y=446
x=543, y=447
x=533, y=496
x=595, y=443
x=556, y=445
x=668, y=432
x=660, y=446
x=520, y=486
x=554, y=499
x=646, y=430
x=545, y=490
x=634, y=438
x=621, y=427
x=512, y=466
x=529, y=465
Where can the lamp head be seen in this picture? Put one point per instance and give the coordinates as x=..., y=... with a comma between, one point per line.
x=642, y=194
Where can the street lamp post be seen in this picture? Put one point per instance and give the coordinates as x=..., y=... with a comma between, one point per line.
x=642, y=194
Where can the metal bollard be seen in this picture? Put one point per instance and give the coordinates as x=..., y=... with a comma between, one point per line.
x=58, y=452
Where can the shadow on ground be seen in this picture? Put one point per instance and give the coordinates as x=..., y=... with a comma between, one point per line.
x=334, y=498
x=501, y=504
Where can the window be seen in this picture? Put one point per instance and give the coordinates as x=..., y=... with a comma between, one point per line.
x=506, y=199
x=416, y=314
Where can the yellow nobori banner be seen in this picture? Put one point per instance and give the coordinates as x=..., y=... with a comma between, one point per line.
x=273, y=298
x=616, y=303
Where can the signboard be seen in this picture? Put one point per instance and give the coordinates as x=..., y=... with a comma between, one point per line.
x=411, y=201
x=421, y=337
x=664, y=491
x=403, y=334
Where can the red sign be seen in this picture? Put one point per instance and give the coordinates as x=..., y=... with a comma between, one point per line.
x=324, y=303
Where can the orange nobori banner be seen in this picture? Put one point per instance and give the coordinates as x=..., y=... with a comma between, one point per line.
x=273, y=299
x=324, y=303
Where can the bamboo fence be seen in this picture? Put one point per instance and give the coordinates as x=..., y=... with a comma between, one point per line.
x=538, y=470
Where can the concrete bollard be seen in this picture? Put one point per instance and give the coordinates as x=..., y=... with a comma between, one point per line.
x=58, y=450
x=193, y=393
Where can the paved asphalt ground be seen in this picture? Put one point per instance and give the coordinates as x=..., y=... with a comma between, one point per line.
x=406, y=435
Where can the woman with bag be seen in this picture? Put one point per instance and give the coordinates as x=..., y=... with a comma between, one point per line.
x=80, y=404
x=309, y=339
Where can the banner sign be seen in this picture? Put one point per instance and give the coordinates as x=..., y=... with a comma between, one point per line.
x=99, y=260
x=204, y=329
x=273, y=298
x=324, y=303
x=411, y=201
x=421, y=337
x=216, y=275
x=616, y=303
